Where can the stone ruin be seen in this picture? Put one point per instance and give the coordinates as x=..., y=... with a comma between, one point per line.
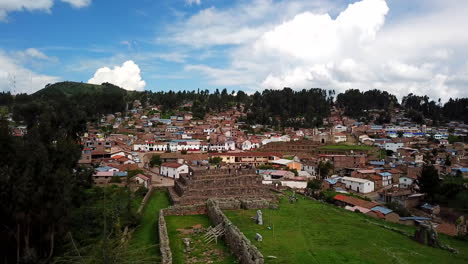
x=427, y=235
x=200, y=185
x=462, y=226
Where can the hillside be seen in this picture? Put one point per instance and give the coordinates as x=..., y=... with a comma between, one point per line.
x=313, y=232
x=77, y=89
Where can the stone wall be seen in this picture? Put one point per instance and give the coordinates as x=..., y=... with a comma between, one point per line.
x=145, y=200
x=254, y=203
x=166, y=254
x=239, y=245
x=196, y=209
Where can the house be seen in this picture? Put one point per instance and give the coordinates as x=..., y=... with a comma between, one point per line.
x=173, y=170
x=393, y=146
x=384, y=213
x=354, y=203
x=339, y=137
x=251, y=158
x=405, y=182
x=143, y=180
x=386, y=178
x=430, y=209
x=290, y=164
x=358, y=185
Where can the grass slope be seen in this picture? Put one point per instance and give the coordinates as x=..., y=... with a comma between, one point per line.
x=314, y=232
x=209, y=253
x=145, y=236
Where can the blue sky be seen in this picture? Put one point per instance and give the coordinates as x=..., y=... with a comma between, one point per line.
x=396, y=45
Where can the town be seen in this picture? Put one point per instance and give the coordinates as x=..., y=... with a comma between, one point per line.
x=233, y=132
x=377, y=170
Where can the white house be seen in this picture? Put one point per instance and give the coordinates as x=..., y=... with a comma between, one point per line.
x=173, y=170
x=358, y=185
x=339, y=137
x=393, y=146
x=143, y=180
x=340, y=128
x=405, y=182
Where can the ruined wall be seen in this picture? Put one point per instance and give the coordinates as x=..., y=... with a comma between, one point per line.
x=239, y=245
x=145, y=200
x=166, y=254
x=196, y=209
x=254, y=203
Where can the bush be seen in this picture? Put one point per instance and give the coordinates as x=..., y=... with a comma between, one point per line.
x=115, y=179
x=215, y=160
x=141, y=191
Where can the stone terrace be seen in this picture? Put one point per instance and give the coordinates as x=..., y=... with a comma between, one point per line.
x=218, y=183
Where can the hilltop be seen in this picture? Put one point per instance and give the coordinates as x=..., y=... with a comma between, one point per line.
x=69, y=89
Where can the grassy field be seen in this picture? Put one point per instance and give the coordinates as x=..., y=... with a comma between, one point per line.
x=200, y=252
x=346, y=147
x=314, y=232
x=145, y=237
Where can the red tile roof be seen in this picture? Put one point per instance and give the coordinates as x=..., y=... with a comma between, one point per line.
x=355, y=201
x=174, y=165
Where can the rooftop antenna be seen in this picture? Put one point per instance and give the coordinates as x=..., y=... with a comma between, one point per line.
x=12, y=86
x=30, y=83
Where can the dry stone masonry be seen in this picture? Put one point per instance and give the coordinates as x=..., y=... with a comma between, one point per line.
x=200, y=185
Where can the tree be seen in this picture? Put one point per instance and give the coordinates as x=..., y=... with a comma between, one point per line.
x=429, y=182
x=155, y=161
x=215, y=160
x=314, y=184
x=324, y=169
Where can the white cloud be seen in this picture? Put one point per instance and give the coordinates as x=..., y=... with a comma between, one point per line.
x=17, y=79
x=78, y=3
x=7, y=6
x=191, y=2
x=423, y=53
x=31, y=54
x=126, y=76
x=240, y=24
x=20, y=5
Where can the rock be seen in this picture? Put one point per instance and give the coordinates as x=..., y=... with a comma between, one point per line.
x=259, y=217
x=258, y=237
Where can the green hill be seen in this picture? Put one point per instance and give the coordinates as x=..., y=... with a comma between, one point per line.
x=77, y=89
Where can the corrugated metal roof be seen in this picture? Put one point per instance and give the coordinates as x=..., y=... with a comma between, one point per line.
x=383, y=210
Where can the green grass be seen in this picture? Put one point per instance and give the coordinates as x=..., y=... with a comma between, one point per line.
x=145, y=237
x=201, y=252
x=314, y=232
x=346, y=147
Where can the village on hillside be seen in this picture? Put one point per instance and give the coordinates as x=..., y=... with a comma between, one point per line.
x=379, y=164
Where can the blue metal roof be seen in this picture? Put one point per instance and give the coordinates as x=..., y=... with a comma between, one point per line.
x=415, y=218
x=385, y=174
x=383, y=210
x=105, y=168
x=427, y=206
x=333, y=180
x=120, y=174
x=461, y=169
x=375, y=162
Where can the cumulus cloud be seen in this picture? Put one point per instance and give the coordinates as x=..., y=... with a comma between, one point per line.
x=78, y=3
x=7, y=6
x=355, y=47
x=16, y=78
x=240, y=24
x=126, y=76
